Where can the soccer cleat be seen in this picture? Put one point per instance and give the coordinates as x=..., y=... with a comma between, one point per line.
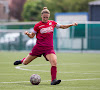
x=55, y=82
x=17, y=62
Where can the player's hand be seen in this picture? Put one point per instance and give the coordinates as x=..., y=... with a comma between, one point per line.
x=75, y=24
x=26, y=33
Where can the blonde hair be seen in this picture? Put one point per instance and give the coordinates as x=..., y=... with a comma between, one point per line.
x=45, y=10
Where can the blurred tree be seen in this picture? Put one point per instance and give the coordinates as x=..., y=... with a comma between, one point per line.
x=79, y=6
x=67, y=6
x=32, y=8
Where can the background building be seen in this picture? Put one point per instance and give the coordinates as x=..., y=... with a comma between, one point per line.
x=4, y=10
x=94, y=11
x=10, y=10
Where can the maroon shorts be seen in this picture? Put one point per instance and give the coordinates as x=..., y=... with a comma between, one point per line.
x=38, y=51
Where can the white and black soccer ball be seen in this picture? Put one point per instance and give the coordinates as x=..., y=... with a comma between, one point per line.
x=35, y=79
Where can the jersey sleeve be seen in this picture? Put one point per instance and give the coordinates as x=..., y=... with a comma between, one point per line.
x=56, y=24
x=32, y=30
x=35, y=29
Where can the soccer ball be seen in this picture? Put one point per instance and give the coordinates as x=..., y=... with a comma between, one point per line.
x=35, y=79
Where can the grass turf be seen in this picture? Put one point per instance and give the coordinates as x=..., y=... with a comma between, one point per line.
x=78, y=71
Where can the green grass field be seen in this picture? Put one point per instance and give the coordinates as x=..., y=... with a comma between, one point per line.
x=78, y=71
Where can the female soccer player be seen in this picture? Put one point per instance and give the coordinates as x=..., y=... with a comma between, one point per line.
x=44, y=45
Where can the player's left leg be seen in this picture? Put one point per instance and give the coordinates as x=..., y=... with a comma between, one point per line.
x=31, y=56
x=26, y=60
x=53, y=61
x=19, y=61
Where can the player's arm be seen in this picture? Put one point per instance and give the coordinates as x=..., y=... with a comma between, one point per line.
x=67, y=26
x=30, y=35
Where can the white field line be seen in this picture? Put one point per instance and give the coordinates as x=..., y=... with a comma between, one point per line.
x=10, y=74
x=22, y=68
x=62, y=80
x=48, y=71
x=61, y=64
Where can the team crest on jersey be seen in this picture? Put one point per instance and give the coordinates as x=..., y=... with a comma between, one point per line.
x=50, y=23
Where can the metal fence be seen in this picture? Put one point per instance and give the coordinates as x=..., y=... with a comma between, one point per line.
x=85, y=36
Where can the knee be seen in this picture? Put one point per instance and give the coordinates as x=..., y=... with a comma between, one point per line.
x=25, y=63
x=54, y=62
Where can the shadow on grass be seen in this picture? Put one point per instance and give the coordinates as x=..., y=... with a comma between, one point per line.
x=29, y=84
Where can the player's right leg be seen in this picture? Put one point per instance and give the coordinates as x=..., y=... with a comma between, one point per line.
x=53, y=60
x=26, y=60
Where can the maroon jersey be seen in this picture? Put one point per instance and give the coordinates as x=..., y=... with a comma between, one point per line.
x=44, y=33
